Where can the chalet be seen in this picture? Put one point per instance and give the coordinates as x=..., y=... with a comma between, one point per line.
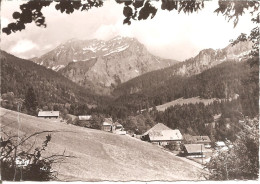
x=194, y=150
x=220, y=145
x=202, y=140
x=119, y=129
x=118, y=126
x=85, y=118
x=70, y=119
x=49, y=114
x=107, y=125
x=162, y=135
x=188, y=139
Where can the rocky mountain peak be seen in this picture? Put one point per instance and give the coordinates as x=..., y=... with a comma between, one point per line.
x=102, y=65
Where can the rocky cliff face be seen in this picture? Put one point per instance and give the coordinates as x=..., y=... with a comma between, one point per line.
x=102, y=65
x=209, y=57
x=205, y=60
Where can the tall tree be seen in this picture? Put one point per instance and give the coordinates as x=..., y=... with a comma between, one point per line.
x=241, y=161
x=31, y=103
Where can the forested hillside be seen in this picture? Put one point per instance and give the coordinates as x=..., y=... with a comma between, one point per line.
x=223, y=81
x=235, y=84
x=17, y=75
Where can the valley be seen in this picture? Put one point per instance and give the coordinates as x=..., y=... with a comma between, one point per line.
x=184, y=96
x=129, y=91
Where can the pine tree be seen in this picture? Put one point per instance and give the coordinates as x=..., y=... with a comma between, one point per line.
x=30, y=101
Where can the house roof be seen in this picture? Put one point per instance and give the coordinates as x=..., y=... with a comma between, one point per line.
x=85, y=118
x=157, y=127
x=220, y=143
x=108, y=121
x=195, y=148
x=201, y=139
x=72, y=117
x=118, y=124
x=165, y=135
x=48, y=113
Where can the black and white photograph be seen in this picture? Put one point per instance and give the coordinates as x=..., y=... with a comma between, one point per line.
x=129, y=91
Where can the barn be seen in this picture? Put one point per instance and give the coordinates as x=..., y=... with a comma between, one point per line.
x=194, y=150
x=162, y=135
x=49, y=114
x=202, y=140
x=107, y=125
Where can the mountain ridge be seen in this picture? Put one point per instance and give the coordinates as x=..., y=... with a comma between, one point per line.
x=205, y=60
x=18, y=74
x=102, y=65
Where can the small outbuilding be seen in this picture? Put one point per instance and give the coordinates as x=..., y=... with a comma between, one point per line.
x=194, y=150
x=85, y=121
x=220, y=145
x=49, y=114
x=119, y=129
x=85, y=118
x=107, y=125
x=202, y=140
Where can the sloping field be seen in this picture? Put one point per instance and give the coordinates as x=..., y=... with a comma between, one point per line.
x=182, y=101
x=103, y=156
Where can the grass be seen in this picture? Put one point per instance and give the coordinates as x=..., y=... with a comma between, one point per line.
x=101, y=156
x=182, y=101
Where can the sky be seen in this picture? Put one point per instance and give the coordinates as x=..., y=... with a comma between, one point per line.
x=169, y=35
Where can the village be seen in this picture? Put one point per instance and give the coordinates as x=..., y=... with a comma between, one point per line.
x=197, y=148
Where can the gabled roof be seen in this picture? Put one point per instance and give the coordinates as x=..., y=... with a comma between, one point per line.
x=118, y=124
x=108, y=121
x=72, y=117
x=85, y=118
x=157, y=127
x=165, y=135
x=220, y=144
x=201, y=139
x=48, y=113
x=195, y=148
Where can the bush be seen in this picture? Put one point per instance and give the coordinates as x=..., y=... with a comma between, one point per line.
x=17, y=164
x=241, y=160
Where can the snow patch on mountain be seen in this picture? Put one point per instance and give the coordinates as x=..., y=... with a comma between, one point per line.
x=57, y=68
x=118, y=49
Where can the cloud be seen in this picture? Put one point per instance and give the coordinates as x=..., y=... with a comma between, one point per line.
x=23, y=46
x=168, y=35
x=4, y=22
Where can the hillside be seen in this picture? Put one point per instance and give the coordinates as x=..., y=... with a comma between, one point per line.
x=101, y=65
x=205, y=60
x=223, y=81
x=182, y=101
x=103, y=156
x=17, y=75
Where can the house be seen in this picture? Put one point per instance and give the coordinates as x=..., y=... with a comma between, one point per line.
x=220, y=145
x=49, y=114
x=188, y=139
x=162, y=135
x=70, y=119
x=118, y=126
x=194, y=150
x=202, y=140
x=85, y=120
x=107, y=125
x=118, y=129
